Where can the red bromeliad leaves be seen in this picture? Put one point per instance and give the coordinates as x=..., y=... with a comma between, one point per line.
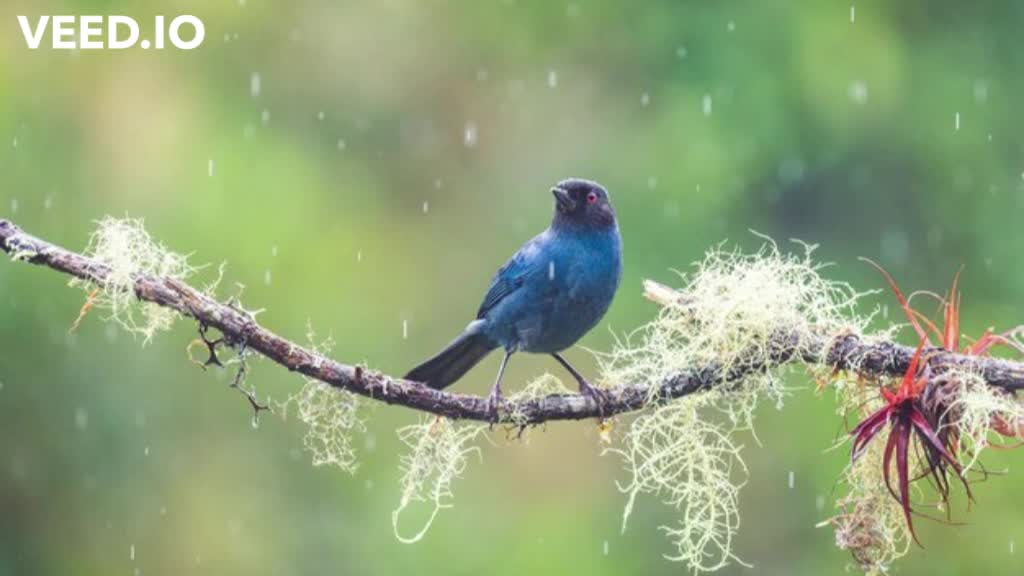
x=917, y=412
x=908, y=420
x=949, y=336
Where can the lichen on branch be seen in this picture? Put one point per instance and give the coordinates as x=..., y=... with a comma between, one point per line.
x=685, y=384
x=129, y=252
x=439, y=450
x=729, y=313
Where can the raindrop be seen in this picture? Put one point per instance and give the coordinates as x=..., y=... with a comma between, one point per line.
x=15, y=142
x=792, y=480
x=267, y=278
x=321, y=115
x=438, y=184
x=359, y=256
x=341, y=144
x=470, y=135
x=731, y=26
x=210, y=167
x=551, y=270
x=552, y=79
x=956, y=122
x=819, y=503
x=1013, y=545
x=895, y=246
x=572, y=10
x=980, y=91
x=681, y=52
x=274, y=251
x=426, y=206
x=265, y=117
x=405, y=329
x=482, y=74
x=853, y=13
x=605, y=548
x=255, y=84
x=145, y=452
x=81, y=418
x=131, y=552
x=858, y=92
x=645, y=99
x=14, y=205
x=48, y=202
x=705, y=104
x=652, y=182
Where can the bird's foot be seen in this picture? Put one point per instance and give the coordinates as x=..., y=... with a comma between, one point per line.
x=493, y=402
x=600, y=396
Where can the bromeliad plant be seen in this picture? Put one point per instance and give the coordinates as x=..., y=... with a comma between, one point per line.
x=920, y=413
x=910, y=418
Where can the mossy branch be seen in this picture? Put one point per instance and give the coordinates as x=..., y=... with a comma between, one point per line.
x=847, y=352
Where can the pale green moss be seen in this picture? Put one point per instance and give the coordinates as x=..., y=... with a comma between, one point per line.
x=439, y=452
x=124, y=246
x=729, y=313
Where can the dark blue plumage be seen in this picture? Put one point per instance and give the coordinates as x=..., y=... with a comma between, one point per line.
x=547, y=296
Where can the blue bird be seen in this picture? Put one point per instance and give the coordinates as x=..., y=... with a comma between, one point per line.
x=546, y=297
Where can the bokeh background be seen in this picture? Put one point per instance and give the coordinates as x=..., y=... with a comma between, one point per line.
x=367, y=165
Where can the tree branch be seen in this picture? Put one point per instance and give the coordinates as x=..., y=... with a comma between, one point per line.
x=238, y=326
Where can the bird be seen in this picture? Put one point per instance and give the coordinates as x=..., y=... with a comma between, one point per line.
x=546, y=297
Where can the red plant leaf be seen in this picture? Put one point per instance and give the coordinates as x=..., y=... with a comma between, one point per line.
x=914, y=316
x=901, y=430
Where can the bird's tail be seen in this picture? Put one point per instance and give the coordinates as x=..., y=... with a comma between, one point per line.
x=455, y=360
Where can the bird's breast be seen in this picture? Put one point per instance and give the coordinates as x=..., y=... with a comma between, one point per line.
x=581, y=278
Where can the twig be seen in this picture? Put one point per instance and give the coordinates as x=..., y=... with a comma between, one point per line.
x=843, y=352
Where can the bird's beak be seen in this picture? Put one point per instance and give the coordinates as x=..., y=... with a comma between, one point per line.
x=564, y=201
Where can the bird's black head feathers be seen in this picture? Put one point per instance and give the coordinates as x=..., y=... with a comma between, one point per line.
x=582, y=204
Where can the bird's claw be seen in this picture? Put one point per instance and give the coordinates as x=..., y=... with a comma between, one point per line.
x=600, y=396
x=493, y=403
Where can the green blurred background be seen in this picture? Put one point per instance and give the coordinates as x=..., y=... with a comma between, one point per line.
x=368, y=164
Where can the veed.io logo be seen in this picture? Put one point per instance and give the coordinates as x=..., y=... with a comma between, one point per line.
x=184, y=32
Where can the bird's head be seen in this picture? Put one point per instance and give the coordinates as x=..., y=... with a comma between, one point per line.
x=582, y=204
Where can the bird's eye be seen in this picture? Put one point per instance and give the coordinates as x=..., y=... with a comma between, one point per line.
x=591, y=197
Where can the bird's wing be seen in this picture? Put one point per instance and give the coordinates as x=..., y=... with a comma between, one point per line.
x=512, y=275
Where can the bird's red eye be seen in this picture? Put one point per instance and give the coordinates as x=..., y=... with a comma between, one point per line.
x=591, y=198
